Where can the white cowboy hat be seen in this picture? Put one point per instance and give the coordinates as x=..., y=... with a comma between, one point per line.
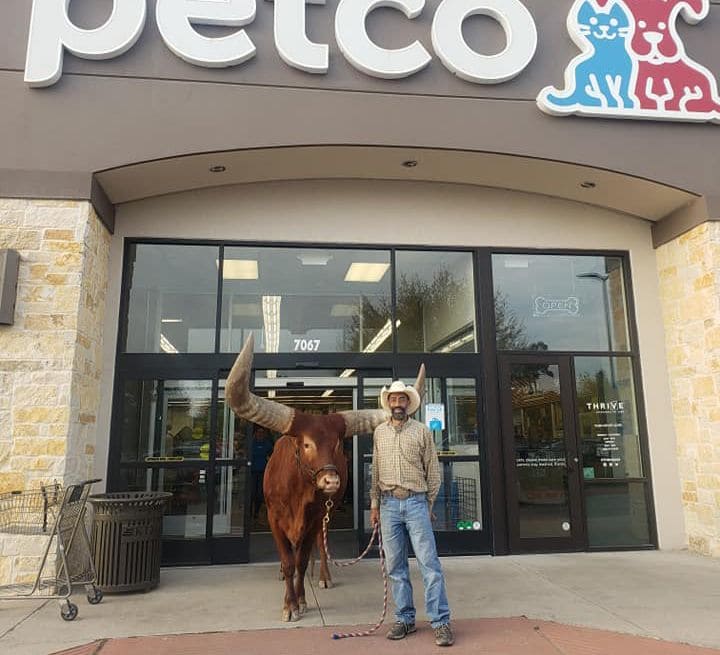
x=400, y=387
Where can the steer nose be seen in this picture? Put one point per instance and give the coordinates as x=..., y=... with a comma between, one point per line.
x=329, y=483
x=653, y=37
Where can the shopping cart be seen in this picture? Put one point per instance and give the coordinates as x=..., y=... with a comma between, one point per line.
x=59, y=516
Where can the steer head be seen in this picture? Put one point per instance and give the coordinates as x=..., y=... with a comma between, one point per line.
x=318, y=439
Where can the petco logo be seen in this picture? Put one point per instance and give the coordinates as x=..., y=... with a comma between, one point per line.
x=633, y=63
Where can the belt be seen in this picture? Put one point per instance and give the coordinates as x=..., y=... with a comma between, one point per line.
x=400, y=493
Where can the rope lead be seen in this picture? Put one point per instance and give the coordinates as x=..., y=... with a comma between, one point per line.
x=383, y=568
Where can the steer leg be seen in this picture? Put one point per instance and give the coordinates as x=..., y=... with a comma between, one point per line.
x=325, y=578
x=287, y=565
x=302, y=555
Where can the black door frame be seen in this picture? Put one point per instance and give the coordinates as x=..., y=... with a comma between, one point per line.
x=577, y=539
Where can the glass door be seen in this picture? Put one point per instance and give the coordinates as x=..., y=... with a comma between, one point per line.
x=541, y=454
x=450, y=410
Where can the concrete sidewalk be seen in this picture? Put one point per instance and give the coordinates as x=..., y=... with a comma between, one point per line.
x=668, y=596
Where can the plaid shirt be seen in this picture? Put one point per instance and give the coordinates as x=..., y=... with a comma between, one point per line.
x=404, y=457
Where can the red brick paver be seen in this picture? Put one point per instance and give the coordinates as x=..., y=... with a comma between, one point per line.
x=514, y=636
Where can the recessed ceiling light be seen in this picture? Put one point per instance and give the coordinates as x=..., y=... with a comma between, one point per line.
x=171, y=320
x=410, y=163
x=366, y=272
x=217, y=169
x=240, y=269
x=587, y=184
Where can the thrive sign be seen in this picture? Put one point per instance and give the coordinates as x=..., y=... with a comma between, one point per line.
x=52, y=33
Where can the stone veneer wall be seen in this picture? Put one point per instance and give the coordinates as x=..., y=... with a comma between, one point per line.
x=689, y=270
x=51, y=358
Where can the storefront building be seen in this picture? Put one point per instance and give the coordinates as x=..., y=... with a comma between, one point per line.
x=505, y=191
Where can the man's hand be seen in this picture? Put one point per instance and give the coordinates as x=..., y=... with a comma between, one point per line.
x=374, y=516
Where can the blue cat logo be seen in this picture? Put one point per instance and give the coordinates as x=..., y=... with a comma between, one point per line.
x=602, y=75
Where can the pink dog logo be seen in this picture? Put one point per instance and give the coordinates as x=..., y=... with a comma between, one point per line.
x=634, y=63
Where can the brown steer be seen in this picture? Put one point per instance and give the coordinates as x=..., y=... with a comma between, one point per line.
x=306, y=468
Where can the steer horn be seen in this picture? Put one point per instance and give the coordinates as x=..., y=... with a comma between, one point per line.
x=269, y=414
x=364, y=421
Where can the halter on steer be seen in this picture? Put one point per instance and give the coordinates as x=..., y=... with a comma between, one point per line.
x=313, y=472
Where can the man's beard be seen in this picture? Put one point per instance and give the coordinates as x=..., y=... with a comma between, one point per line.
x=399, y=414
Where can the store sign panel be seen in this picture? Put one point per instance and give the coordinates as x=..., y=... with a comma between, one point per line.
x=633, y=63
x=52, y=32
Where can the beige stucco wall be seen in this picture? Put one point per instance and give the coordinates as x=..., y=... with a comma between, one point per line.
x=689, y=269
x=51, y=358
x=373, y=212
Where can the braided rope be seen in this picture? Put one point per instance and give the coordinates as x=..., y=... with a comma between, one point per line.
x=383, y=568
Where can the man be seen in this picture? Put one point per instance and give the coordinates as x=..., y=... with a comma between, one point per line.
x=405, y=483
x=262, y=447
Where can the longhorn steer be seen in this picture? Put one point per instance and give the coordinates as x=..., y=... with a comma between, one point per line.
x=306, y=468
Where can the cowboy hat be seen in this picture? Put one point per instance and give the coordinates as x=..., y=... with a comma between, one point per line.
x=400, y=387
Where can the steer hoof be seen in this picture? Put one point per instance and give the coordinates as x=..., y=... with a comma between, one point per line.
x=302, y=608
x=326, y=584
x=290, y=615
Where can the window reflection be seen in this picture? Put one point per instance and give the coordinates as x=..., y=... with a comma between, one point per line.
x=185, y=514
x=617, y=515
x=435, y=302
x=607, y=418
x=306, y=300
x=166, y=420
x=173, y=299
x=559, y=302
x=540, y=451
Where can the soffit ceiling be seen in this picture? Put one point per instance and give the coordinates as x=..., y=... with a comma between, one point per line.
x=608, y=189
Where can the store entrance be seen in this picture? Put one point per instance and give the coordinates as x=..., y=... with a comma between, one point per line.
x=312, y=396
x=542, y=458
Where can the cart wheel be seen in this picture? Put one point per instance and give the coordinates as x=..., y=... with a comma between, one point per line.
x=94, y=596
x=69, y=612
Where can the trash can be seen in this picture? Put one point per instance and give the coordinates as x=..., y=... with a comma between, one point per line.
x=125, y=539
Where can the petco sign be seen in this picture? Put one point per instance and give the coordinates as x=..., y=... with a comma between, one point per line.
x=52, y=32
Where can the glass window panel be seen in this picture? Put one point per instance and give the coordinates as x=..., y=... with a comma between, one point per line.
x=607, y=418
x=616, y=514
x=186, y=513
x=166, y=419
x=462, y=427
x=559, y=302
x=540, y=451
x=435, y=302
x=458, y=506
x=306, y=300
x=173, y=299
x=229, y=513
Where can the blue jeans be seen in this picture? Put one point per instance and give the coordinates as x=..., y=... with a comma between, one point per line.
x=400, y=519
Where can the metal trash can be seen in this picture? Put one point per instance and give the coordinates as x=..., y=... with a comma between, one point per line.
x=125, y=539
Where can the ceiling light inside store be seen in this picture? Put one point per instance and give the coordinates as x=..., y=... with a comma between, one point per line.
x=246, y=309
x=314, y=259
x=366, y=272
x=166, y=345
x=239, y=269
x=271, y=319
x=344, y=310
x=327, y=393
x=380, y=337
x=456, y=343
x=515, y=262
x=171, y=320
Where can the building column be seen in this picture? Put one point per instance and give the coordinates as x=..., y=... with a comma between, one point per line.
x=51, y=357
x=689, y=272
